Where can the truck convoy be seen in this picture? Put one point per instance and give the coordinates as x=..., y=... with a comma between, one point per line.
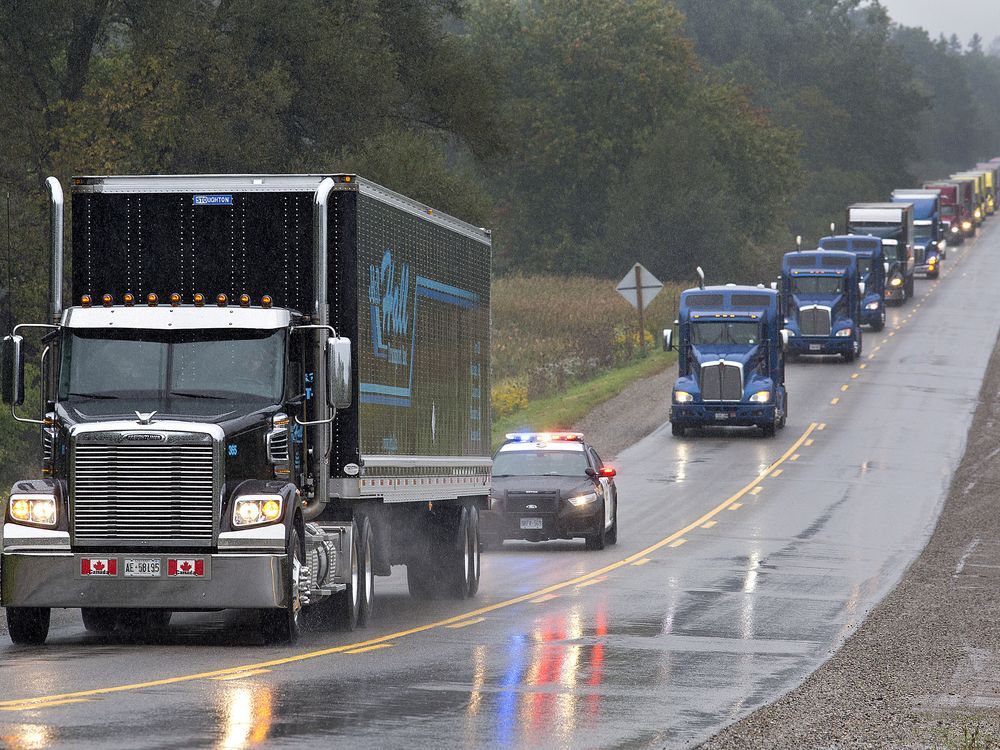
x=951, y=213
x=871, y=274
x=927, y=234
x=893, y=224
x=821, y=296
x=731, y=359
x=267, y=390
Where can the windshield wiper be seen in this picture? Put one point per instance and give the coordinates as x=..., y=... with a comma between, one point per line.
x=92, y=395
x=196, y=395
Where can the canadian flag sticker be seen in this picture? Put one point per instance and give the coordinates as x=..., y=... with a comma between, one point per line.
x=185, y=567
x=98, y=566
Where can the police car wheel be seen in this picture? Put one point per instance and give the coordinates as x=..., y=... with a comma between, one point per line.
x=597, y=540
x=611, y=537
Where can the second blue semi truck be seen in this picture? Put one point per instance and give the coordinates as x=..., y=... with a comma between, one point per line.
x=822, y=301
x=731, y=360
x=871, y=274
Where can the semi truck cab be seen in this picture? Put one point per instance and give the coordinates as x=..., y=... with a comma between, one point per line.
x=731, y=362
x=893, y=224
x=822, y=301
x=927, y=233
x=871, y=274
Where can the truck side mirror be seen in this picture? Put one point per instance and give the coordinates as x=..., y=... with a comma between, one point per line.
x=784, y=339
x=338, y=372
x=668, y=339
x=886, y=266
x=12, y=370
x=861, y=287
x=774, y=285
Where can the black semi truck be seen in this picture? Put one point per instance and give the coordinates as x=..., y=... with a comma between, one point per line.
x=265, y=391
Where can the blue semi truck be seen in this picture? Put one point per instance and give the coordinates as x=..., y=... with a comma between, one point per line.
x=928, y=231
x=871, y=273
x=731, y=360
x=822, y=301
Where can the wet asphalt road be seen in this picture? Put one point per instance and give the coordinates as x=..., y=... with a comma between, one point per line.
x=757, y=575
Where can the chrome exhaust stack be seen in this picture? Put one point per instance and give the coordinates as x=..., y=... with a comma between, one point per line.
x=56, y=245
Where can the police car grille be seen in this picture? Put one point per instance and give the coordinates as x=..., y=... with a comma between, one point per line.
x=543, y=502
x=721, y=382
x=815, y=321
x=143, y=492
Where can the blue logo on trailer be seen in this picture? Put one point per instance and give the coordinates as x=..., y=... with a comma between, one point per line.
x=392, y=322
x=213, y=200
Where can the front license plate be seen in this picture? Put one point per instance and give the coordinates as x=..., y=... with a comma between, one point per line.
x=721, y=415
x=531, y=523
x=815, y=347
x=142, y=568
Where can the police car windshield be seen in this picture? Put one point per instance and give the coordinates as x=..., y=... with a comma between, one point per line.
x=710, y=332
x=556, y=463
x=818, y=285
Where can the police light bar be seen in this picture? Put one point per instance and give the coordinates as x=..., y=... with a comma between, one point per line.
x=543, y=437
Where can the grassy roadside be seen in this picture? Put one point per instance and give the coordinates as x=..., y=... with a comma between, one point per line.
x=569, y=407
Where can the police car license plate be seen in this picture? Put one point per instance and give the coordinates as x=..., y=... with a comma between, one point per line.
x=815, y=347
x=531, y=523
x=142, y=568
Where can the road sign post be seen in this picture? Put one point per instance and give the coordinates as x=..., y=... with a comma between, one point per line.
x=639, y=287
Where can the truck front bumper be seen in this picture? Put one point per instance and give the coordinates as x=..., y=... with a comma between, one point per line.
x=740, y=415
x=894, y=293
x=230, y=581
x=820, y=344
x=930, y=270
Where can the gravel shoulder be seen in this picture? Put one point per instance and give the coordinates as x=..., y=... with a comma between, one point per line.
x=923, y=670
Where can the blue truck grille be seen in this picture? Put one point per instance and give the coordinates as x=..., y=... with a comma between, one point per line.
x=721, y=382
x=814, y=321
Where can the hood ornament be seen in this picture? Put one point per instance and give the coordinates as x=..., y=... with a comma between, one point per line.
x=145, y=418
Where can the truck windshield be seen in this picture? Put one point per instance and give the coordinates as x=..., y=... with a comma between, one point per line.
x=710, y=332
x=864, y=267
x=947, y=210
x=539, y=463
x=159, y=365
x=922, y=231
x=818, y=285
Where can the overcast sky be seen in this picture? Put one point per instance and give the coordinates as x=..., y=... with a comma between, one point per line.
x=962, y=17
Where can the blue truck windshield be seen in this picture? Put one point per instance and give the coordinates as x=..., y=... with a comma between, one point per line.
x=922, y=231
x=818, y=285
x=864, y=267
x=714, y=332
x=159, y=365
x=539, y=463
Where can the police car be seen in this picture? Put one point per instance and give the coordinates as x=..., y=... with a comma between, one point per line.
x=551, y=486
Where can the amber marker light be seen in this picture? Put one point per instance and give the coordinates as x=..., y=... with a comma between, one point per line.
x=221, y=299
x=244, y=300
x=266, y=301
x=199, y=300
x=128, y=299
x=107, y=300
x=152, y=299
x=85, y=300
x=175, y=300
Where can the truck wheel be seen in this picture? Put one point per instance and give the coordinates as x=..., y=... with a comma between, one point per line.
x=283, y=625
x=475, y=560
x=28, y=626
x=784, y=412
x=909, y=287
x=98, y=619
x=366, y=575
x=457, y=563
x=598, y=539
x=878, y=326
x=768, y=429
x=347, y=604
x=611, y=537
x=676, y=430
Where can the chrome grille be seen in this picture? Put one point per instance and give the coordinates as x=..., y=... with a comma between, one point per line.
x=919, y=255
x=143, y=492
x=814, y=321
x=277, y=445
x=721, y=381
x=544, y=502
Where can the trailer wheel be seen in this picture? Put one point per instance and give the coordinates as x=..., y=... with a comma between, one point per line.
x=475, y=560
x=284, y=625
x=366, y=575
x=98, y=619
x=28, y=626
x=457, y=562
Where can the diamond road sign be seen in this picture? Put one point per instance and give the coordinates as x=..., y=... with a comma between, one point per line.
x=639, y=278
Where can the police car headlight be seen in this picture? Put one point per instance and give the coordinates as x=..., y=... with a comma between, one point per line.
x=896, y=282
x=872, y=306
x=843, y=333
x=760, y=397
x=682, y=397
x=581, y=500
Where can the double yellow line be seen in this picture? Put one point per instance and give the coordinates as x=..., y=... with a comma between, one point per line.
x=24, y=704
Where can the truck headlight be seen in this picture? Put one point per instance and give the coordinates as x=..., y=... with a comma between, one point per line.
x=36, y=509
x=843, y=333
x=682, y=397
x=251, y=510
x=896, y=282
x=761, y=397
x=581, y=500
x=872, y=306
x=966, y=225
x=954, y=229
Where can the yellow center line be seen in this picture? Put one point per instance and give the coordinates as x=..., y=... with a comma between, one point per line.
x=777, y=472
x=834, y=401
x=861, y=367
x=466, y=623
x=643, y=561
x=822, y=426
x=844, y=387
x=544, y=598
x=735, y=506
x=706, y=525
x=854, y=376
x=534, y=596
x=756, y=491
x=892, y=333
x=677, y=542
x=795, y=457
x=366, y=649
x=591, y=582
x=31, y=704
x=241, y=675
x=809, y=442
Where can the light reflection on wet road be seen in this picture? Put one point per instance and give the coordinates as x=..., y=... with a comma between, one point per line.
x=662, y=651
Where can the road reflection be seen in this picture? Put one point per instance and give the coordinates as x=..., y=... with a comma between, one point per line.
x=550, y=680
x=28, y=737
x=245, y=716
